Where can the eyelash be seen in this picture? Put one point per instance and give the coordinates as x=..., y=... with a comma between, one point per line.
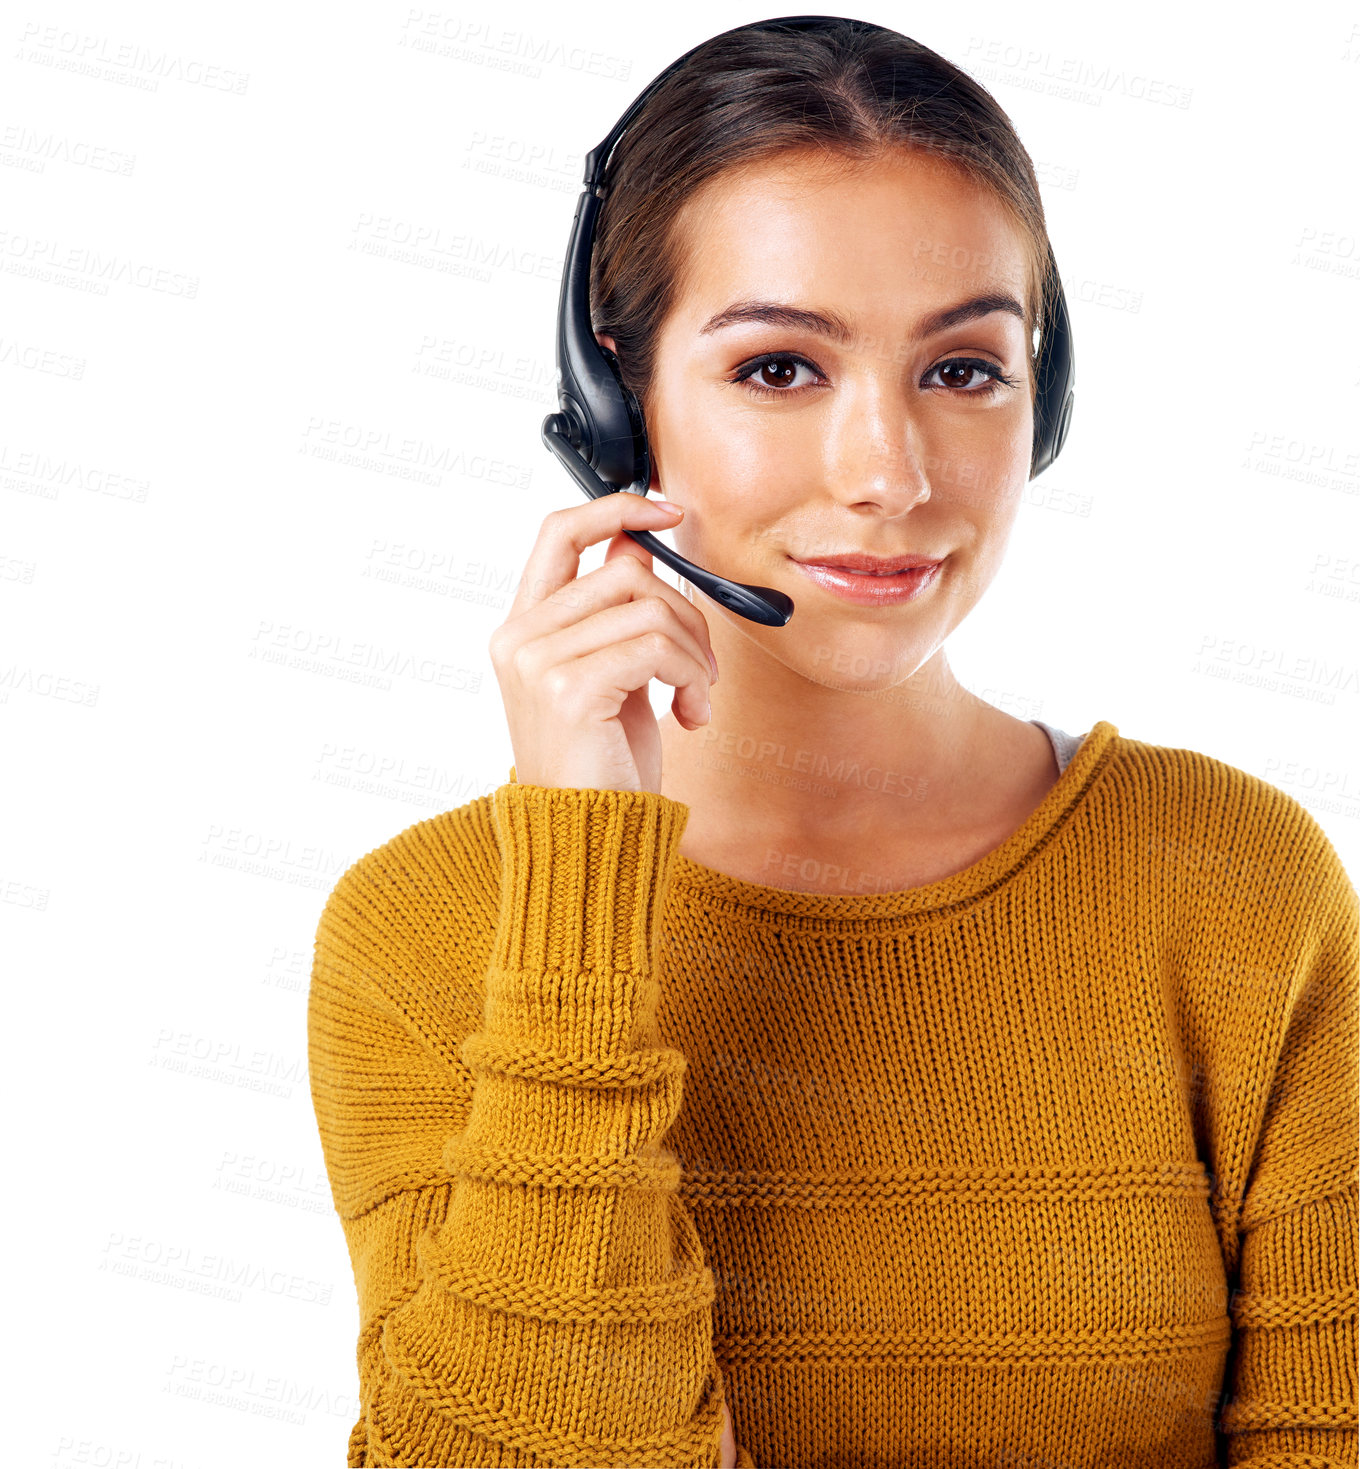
x=997, y=378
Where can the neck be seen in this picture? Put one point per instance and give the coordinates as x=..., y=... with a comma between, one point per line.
x=813, y=764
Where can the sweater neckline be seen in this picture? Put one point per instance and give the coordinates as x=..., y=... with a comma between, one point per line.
x=989, y=872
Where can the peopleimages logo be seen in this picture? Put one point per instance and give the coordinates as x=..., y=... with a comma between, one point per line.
x=484, y=43
x=1039, y=70
x=29, y=147
x=42, y=255
x=184, y=1267
x=78, y=51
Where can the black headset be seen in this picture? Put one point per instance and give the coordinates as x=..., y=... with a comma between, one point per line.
x=599, y=433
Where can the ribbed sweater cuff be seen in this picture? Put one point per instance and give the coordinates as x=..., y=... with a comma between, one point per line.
x=584, y=877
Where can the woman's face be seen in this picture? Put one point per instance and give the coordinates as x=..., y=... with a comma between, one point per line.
x=891, y=435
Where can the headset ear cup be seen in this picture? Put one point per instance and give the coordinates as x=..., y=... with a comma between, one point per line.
x=569, y=421
x=611, y=357
x=1063, y=422
x=1040, y=452
x=626, y=401
x=1054, y=394
x=642, y=449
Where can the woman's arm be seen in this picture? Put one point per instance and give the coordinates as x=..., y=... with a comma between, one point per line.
x=1292, y=1372
x=531, y=1289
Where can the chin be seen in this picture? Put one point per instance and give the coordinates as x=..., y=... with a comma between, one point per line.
x=848, y=666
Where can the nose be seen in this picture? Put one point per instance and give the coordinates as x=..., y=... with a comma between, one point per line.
x=875, y=450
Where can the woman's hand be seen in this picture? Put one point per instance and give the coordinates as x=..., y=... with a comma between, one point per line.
x=576, y=654
x=727, y=1449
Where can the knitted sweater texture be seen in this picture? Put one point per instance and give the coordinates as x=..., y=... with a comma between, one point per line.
x=1052, y=1162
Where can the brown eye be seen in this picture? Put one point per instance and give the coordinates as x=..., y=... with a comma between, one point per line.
x=777, y=372
x=955, y=374
x=970, y=377
x=774, y=376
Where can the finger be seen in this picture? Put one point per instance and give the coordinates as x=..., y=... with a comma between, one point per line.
x=605, y=678
x=628, y=625
x=555, y=559
x=727, y=1448
x=625, y=545
x=619, y=581
x=622, y=544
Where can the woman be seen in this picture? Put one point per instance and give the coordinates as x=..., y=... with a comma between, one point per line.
x=1018, y=1120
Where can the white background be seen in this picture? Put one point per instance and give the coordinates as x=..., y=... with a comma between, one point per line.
x=204, y=307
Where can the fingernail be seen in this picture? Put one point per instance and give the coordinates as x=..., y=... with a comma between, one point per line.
x=712, y=660
x=666, y=505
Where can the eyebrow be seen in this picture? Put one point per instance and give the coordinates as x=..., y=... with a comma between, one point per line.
x=831, y=324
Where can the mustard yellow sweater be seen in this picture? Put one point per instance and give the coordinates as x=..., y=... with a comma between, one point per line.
x=1050, y=1163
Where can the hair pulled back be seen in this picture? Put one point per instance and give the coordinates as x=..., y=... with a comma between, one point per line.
x=849, y=92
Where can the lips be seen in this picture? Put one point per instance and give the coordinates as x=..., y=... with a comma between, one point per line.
x=872, y=589
x=869, y=565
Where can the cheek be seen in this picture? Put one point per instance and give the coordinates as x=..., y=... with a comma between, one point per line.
x=739, y=485
x=984, y=482
x=993, y=529
x=985, y=464
x=749, y=459
x=732, y=529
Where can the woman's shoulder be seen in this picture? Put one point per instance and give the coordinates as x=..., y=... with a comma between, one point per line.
x=432, y=879
x=1210, y=817
x=1203, y=783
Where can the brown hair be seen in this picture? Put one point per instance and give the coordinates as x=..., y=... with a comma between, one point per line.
x=849, y=91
